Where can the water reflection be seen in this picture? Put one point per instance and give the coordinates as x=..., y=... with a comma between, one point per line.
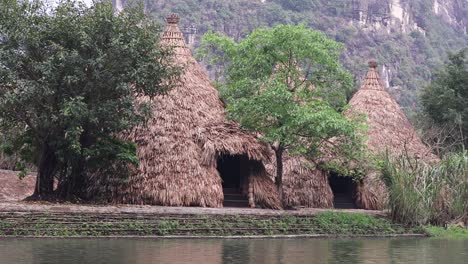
x=81, y=251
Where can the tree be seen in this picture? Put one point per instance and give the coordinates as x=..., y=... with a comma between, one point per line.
x=297, y=5
x=68, y=82
x=445, y=100
x=285, y=83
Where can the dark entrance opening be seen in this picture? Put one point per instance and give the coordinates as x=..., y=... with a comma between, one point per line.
x=343, y=192
x=234, y=171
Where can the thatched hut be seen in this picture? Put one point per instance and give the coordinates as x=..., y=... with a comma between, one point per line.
x=189, y=154
x=389, y=131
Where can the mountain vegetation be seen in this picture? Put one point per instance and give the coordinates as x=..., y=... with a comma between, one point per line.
x=409, y=38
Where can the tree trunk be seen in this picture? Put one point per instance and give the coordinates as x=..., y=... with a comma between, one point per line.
x=279, y=171
x=45, y=176
x=73, y=186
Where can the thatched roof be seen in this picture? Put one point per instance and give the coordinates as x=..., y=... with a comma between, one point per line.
x=303, y=183
x=12, y=188
x=228, y=138
x=178, y=147
x=389, y=129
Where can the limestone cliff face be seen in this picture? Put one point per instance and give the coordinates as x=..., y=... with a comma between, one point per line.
x=401, y=15
x=453, y=12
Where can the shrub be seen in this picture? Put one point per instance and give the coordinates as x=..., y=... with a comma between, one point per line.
x=422, y=193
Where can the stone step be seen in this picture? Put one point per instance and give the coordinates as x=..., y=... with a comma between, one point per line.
x=235, y=197
x=343, y=201
x=344, y=206
x=236, y=203
x=95, y=224
x=231, y=191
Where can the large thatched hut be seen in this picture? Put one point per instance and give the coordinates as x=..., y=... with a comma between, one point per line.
x=190, y=155
x=389, y=130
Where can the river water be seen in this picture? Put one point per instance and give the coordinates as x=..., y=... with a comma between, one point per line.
x=207, y=251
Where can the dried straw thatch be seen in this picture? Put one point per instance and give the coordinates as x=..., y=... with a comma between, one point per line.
x=389, y=130
x=178, y=148
x=227, y=138
x=303, y=183
x=371, y=193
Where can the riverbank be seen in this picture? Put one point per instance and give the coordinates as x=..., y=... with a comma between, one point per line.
x=451, y=232
x=58, y=220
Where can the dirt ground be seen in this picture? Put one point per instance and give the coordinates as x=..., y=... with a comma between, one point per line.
x=12, y=188
x=147, y=209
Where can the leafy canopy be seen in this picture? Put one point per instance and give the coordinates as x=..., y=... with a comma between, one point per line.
x=68, y=81
x=446, y=100
x=285, y=83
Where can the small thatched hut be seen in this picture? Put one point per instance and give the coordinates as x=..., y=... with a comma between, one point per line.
x=389, y=130
x=189, y=154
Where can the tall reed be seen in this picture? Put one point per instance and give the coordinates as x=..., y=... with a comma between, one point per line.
x=422, y=193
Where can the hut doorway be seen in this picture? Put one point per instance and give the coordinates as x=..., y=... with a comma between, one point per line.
x=343, y=191
x=234, y=171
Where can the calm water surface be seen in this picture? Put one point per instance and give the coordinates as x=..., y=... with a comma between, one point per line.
x=96, y=251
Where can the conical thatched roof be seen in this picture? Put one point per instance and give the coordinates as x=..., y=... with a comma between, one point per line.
x=179, y=146
x=389, y=129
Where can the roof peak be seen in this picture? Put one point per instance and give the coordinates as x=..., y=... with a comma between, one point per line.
x=173, y=37
x=372, y=80
x=173, y=18
x=373, y=64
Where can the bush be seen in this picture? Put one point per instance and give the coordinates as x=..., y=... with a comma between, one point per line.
x=421, y=194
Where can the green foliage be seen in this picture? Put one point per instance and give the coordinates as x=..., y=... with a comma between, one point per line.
x=275, y=79
x=167, y=227
x=353, y=223
x=68, y=80
x=307, y=57
x=452, y=232
x=297, y=5
x=446, y=100
x=421, y=194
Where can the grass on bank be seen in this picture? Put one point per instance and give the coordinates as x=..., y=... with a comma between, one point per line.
x=453, y=232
